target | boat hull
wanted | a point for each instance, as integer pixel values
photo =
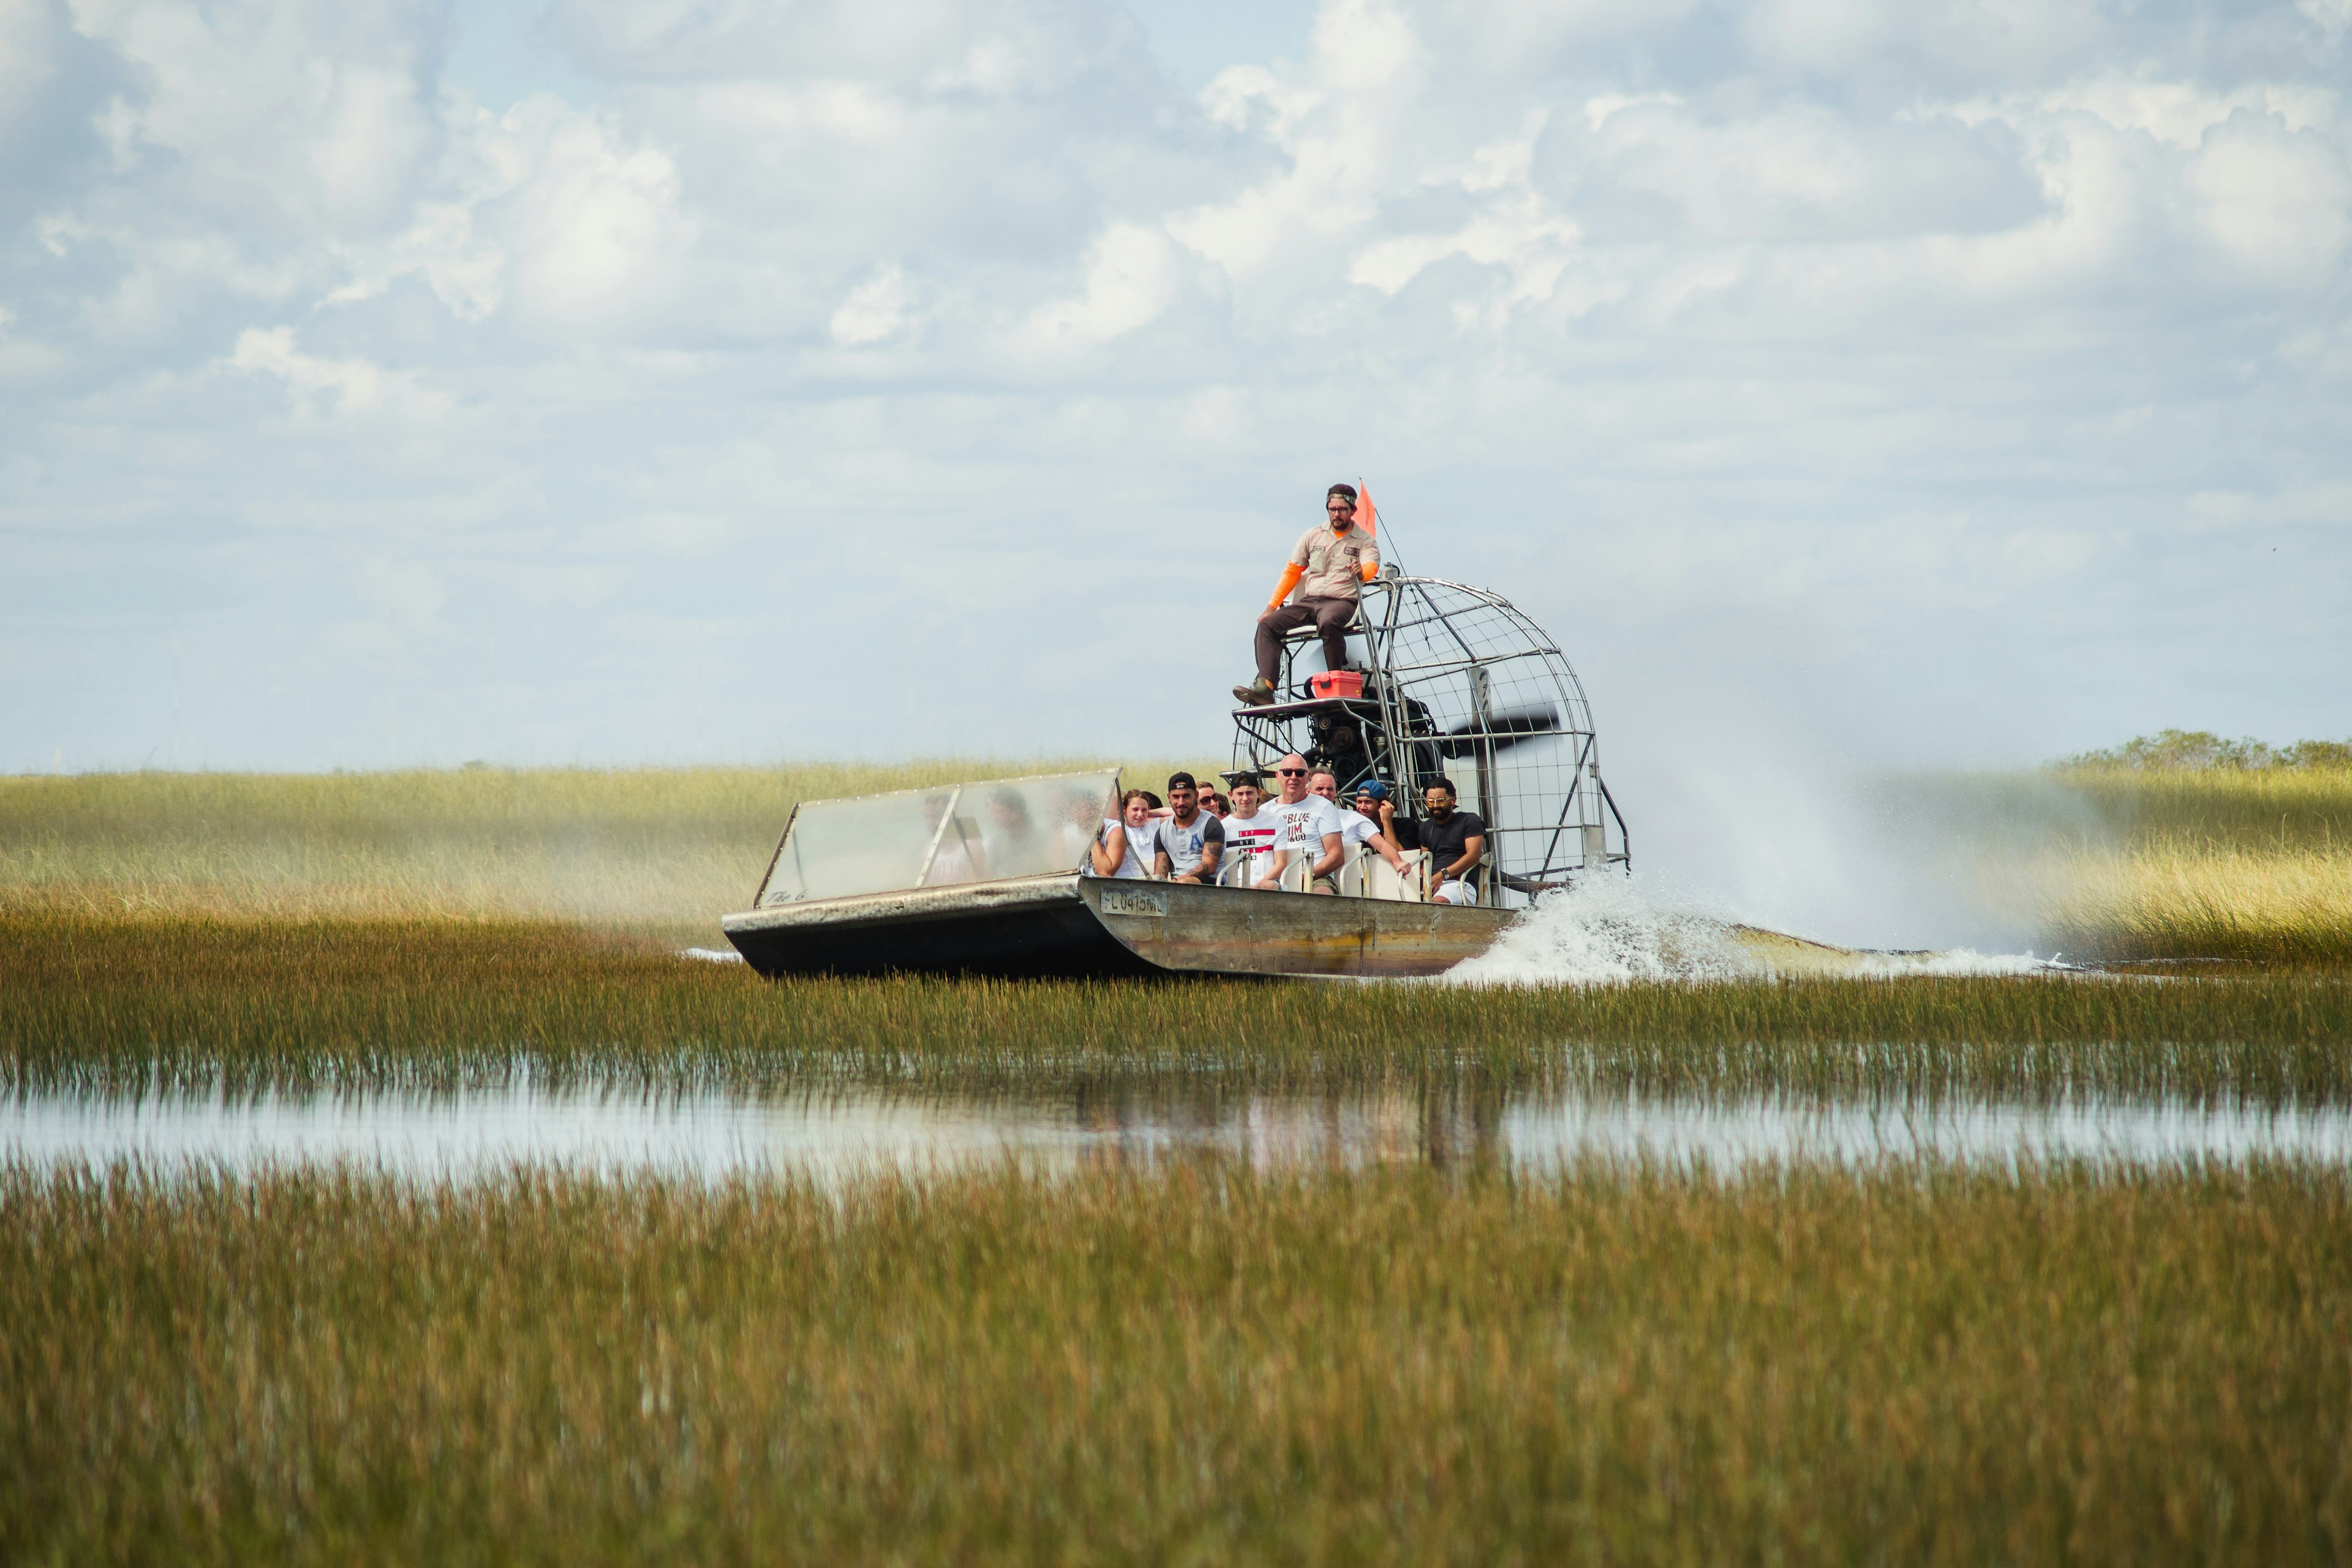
(1095, 926)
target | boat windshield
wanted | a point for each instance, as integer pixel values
(938, 836)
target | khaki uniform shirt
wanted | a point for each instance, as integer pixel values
(1333, 562)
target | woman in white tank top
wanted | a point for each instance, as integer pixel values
(1124, 847)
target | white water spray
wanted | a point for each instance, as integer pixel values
(1613, 930)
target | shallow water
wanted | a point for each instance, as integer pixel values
(714, 1134)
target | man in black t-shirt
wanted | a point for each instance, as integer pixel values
(1456, 842)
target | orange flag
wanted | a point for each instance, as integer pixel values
(1365, 518)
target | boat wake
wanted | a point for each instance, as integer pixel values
(1616, 930)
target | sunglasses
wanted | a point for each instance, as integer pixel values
(1291, 773)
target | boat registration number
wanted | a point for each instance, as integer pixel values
(1134, 902)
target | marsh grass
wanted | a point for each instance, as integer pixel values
(2250, 866)
(120, 1005)
(1918, 1365)
(660, 850)
(2169, 900)
(2245, 865)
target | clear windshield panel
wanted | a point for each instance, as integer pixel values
(937, 837)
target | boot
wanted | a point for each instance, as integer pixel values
(1256, 694)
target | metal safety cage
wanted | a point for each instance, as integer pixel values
(1457, 683)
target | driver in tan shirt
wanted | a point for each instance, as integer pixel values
(1327, 568)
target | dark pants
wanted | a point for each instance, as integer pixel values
(1329, 616)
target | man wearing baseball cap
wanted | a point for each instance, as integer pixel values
(1327, 568)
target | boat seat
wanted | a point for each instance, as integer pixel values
(1374, 878)
(1309, 634)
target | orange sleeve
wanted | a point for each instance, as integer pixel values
(1290, 576)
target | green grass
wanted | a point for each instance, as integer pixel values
(664, 850)
(121, 1005)
(1917, 1366)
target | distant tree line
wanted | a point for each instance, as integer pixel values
(2190, 750)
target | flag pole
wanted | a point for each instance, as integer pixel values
(1372, 525)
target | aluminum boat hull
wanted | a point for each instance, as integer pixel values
(1096, 927)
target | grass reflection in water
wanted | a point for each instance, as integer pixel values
(135, 1004)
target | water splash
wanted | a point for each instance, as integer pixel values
(1615, 929)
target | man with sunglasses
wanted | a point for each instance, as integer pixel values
(1311, 829)
(1456, 842)
(1327, 568)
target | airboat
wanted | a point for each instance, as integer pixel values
(989, 877)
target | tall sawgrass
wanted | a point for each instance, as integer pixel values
(2099, 861)
(1915, 1364)
(665, 849)
(120, 1005)
(2272, 810)
(2253, 866)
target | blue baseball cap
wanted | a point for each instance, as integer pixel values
(1374, 788)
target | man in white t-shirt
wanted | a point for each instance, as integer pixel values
(1354, 828)
(1310, 829)
(1250, 833)
(1191, 840)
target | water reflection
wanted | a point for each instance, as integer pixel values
(829, 1134)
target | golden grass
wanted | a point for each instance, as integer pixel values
(1920, 1364)
(659, 850)
(2272, 810)
(2249, 866)
(2177, 899)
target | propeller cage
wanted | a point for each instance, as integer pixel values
(1458, 684)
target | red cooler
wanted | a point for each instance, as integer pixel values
(1337, 683)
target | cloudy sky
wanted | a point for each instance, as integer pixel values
(671, 380)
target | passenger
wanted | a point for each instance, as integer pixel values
(1310, 830)
(1355, 826)
(1372, 800)
(1327, 566)
(1457, 841)
(1250, 833)
(1216, 803)
(956, 855)
(1121, 848)
(1009, 844)
(1191, 841)
(1077, 829)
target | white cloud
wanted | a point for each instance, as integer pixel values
(2330, 16)
(2277, 201)
(545, 211)
(1826, 349)
(308, 116)
(876, 309)
(347, 386)
(1132, 274)
(596, 231)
